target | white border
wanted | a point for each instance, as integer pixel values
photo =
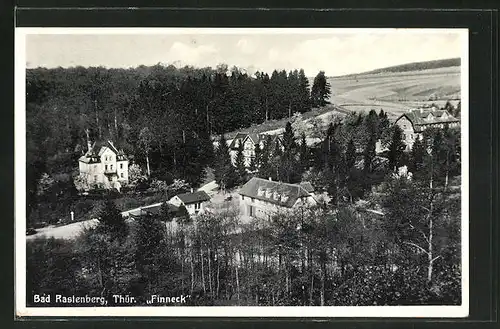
(224, 311)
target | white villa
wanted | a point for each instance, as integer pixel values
(104, 166)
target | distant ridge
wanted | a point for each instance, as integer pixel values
(415, 66)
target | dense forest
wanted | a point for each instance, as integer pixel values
(386, 230)
(417, 66)
(165, 115)
(389, 234)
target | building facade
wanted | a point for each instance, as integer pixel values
(249, 141)
(263, 198)
(103, 165)
(414, 122)
(195, 202)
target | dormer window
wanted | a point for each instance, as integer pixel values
(276, 196)
(260, 191)
(284, 198)
(269, 193)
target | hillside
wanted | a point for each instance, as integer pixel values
(399, 88)
(415, 66)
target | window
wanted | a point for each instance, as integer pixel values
(105, 167)
(197, 205)
(121, 175)
(111, 167)
(250, 211)
(242, 197)
(95, 178)
(121, 166)
(253, 200)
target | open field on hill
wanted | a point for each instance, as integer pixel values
(396, 92)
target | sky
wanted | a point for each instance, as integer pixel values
(335, 51)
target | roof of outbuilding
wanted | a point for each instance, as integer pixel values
(198, 196)
(307, 186)
(292, 191)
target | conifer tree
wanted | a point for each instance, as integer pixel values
(320, 92)
(258, 155)
(183, 216)
(396, 148)
(224, 171)
(265, 170)
(304, 153)
(350, 155)
(417, 155)
(111, 221)
(240, 163)
(165, 214)
(369, 153)
(304, 95)
(289, 143)
(151, 251)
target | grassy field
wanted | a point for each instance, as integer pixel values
(396, 92)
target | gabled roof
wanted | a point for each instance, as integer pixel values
(418, 118)
(255, 138)
(236, 140)
(291, 192)
(198, 196)
(98, 148)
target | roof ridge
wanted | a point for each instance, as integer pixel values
(283, 183)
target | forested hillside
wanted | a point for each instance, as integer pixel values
(169, 113)
(416, 66)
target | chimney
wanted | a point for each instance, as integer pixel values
(89, 145)
(270, 179)
(192, 191)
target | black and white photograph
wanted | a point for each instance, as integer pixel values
(257, 172)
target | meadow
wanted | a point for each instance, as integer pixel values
(396, 92)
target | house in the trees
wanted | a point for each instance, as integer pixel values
(414, 122)
(104, 165)
(249, 141)
(263, 198)
(195, 202)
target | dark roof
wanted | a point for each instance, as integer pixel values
(198, 196)
(256, 138)
(93, 155)
(291, 192)
(419, 118)
(307, 186)
(153, 210)
(236, 140)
